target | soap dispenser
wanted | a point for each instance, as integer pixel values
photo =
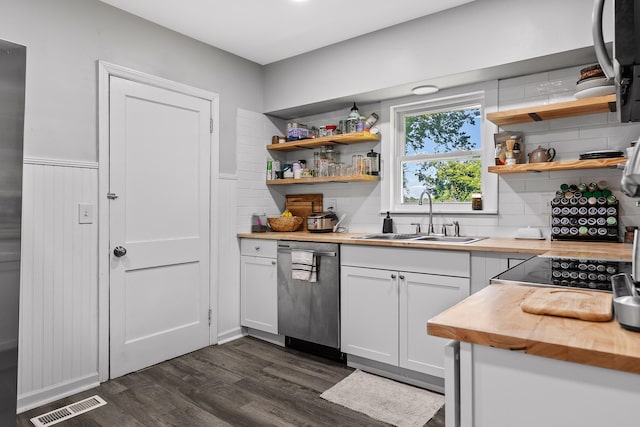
(387, 224)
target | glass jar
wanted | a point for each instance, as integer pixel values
(323, 162)
(352, 125)
(476, 201)
(358, 164)
(332, 155)
(342, 126)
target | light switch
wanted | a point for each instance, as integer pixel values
(85, 213)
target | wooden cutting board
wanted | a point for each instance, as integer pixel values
(302, 205)
(301, 209)
(315, 199)
(578, 304)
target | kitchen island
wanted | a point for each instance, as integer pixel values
(523, 369)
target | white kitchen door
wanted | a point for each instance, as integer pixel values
(159, 178)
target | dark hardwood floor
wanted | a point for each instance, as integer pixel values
(246, 382)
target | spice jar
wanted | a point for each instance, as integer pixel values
(476, 201)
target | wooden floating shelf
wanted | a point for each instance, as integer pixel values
(347, 138)
(599, 104)
(559, 166)
(323, 179)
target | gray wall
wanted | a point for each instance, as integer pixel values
(65, 39)
(467, 44)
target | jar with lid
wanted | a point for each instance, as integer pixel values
(322, 131)
(371, 120)
(342, 126)
(332, 155)
(360, 124)
(323, 162)
(476, 201)
(331, 130)
(352, 125)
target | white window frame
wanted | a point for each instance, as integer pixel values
(484, 95)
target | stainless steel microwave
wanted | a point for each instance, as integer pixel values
(624, 67)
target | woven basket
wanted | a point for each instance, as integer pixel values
(285, 223)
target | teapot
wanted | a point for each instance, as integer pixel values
(540, 155)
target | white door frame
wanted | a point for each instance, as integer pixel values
(106, 69)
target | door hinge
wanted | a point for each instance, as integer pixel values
(210, 125)
(112, 196)
(209, 317)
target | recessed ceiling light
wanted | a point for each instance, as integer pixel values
(425, 90)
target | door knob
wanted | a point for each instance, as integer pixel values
(119, 251)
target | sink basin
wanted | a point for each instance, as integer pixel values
(450, 239)
(421, 238)
(390, 236)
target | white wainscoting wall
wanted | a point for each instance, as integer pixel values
(58, 353)
(229, 272)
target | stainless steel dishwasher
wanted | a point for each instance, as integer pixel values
(309, 312)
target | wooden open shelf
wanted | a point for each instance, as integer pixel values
(344, 139)
(323, 179)
(599, 104)
(559, 166)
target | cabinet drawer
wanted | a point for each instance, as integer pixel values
(259, 247)
(431, 261)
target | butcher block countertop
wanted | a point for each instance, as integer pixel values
(600, 250)
(493, 317)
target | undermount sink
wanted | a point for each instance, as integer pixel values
(390, 236)
(427, 238)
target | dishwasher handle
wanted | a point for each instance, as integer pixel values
(282, 249)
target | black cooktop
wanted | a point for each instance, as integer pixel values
(590, 274)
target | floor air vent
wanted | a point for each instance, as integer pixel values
(69, 411)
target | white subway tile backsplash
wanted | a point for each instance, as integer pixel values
(523, 198)
(507, 94)
(598, 119)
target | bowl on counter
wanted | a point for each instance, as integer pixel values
(285, 223)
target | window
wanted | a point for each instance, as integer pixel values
(441, 145)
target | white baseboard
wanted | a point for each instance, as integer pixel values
(230, 335)
(266, 336)
(51, 394)
(396, 373)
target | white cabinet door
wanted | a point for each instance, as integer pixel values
(259, 293)
(369, 312)
(423, 296)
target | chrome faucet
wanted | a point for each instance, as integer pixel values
(456, 228)
(426, 191)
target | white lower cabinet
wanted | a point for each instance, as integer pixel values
(259, 285)
(369, 313)
(385, 312)
(423, 296)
